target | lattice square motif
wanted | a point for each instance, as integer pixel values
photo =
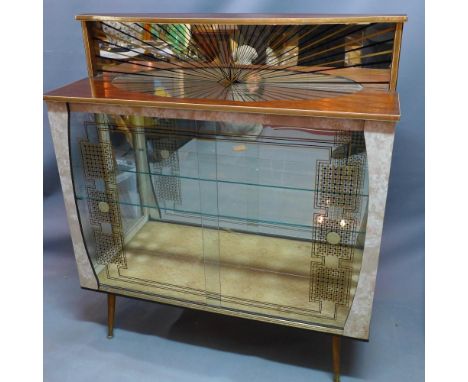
(345, 227)
(348, 145)
(354, 160)
(103, 207)
(164, 152)
(330, 284)
(168, 188)
(166, 161)
(338, 185)
(350, 137)
(340, 251)
(97, 161)
(109, 248)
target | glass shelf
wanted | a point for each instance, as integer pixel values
(199, 179)
(214, 217)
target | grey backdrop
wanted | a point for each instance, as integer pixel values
(158, 343)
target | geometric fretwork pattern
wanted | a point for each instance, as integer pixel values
(97, 159)
(103, 207)
(354, 138)
(165, 161)
(339, 185)
(339, 194)
(329, 284)
(340, 251)
(109, 248)
(344, 228)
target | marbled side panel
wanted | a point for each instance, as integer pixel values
(58, 118)
(379, 144)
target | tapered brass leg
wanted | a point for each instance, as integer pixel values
(336, 345)
(110, 314)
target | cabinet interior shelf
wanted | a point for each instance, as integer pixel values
(216, 217)
(224, 181)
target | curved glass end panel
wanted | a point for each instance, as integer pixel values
(257, 219)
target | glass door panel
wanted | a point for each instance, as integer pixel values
(260, 219)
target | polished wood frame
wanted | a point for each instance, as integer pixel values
(375, 105)
(244, 18)
(396, 57)
(90, 49)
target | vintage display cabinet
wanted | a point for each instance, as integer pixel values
(236, 164)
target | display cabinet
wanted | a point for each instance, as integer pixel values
(236, 164)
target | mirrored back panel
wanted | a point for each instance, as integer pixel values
(244, 62)
(254, 218)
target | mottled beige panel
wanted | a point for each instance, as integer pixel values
(202, 115)
(379, 144)
(58, 118)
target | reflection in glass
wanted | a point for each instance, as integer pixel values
(262, 219)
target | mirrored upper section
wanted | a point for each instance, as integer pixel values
(334, 66)
(242, 61)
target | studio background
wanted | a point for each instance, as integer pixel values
(155, 342)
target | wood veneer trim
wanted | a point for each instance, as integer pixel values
(230, 108)
(396, 56)
(240, 19)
